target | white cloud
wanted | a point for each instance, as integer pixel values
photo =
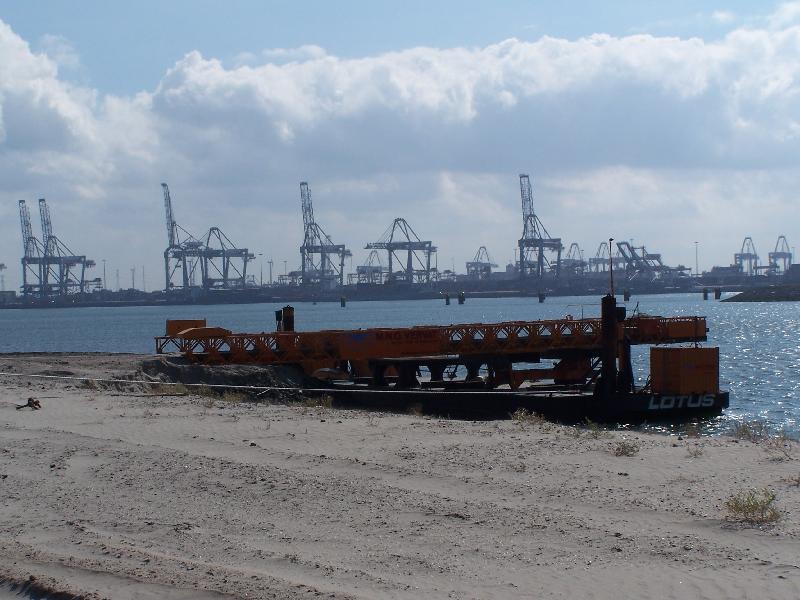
(657, 137)
(279, 56)
(723, 16)
(302, 53)
(787, 14)
(60, 50)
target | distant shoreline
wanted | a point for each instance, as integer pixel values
(376, 294)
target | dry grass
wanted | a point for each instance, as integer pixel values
(694, 450)
(166, 389)
(89, 384)
(625, 448)
(234, 397)
(575, 432)
(324, 401)
(779, 446)
(595, 430)
(753, 431)
(524, 417)
(753, 506)
(205, 391)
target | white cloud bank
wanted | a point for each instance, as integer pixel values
(663, 139)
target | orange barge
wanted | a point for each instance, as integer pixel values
(487, 368)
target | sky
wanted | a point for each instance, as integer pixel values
(667, 124)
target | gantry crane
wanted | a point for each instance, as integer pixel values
(215, 259)
(536, 246)
(370, 273)
(400, 238)
(781, 257)
(747, 259)
(184, 255)
(224, 265)
(480, 267)
(49, 268)
(63, 271)
(573, 262)
(32, 252)
(317, 266)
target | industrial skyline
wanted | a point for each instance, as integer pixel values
(674, 132)
(203, 264)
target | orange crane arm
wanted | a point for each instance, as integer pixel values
(312, 350)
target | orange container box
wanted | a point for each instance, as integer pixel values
(684, 370)
(175, 326)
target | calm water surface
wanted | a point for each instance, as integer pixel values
(759, 353)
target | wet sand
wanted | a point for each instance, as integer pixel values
(130, 493)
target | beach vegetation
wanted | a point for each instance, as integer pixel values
(575, 432)
(752, 431)
(324, 401)
(753, 506)
(525, 417)
(694, 450)
(168, 389)
(205, 391)
(234, 396)
(625, 448)
(595, 430)
(779, 446)
(89, 384)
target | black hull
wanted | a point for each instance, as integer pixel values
(560, 406)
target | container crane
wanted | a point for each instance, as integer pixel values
(224, 266)
(536, 246)
(63, 271)
(415, 266)
(480, 267)
(781, 257)
(747, 259)
(317, 266)
(573, 262)
(370, 273)
(184, 255)
(32, 252)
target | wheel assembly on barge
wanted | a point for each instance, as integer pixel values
(591, 374)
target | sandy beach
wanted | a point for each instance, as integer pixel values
(130, 492)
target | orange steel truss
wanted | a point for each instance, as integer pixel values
(319, 349)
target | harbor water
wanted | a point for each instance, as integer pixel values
(759, 352)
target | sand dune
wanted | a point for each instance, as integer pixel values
(125, 494)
